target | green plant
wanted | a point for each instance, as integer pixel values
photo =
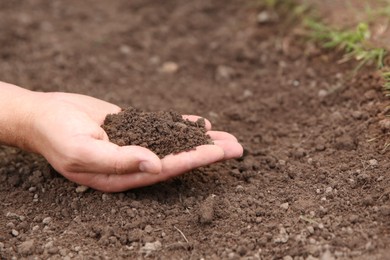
(331, 37)
(374, 55)
(353, 42)
(374, 13)
(386, 78)
(271, 3)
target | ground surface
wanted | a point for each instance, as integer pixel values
(314, 180)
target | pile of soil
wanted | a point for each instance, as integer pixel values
(161, 132)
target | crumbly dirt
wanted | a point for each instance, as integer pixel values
(161, 132)
(314, 179)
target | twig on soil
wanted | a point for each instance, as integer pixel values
(312, 221)
(372, 139)
(387, 145)
(182, 234)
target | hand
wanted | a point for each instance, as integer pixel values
(66, 131)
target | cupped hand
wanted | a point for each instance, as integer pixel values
(66, 131)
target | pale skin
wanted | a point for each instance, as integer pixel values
(65, 129)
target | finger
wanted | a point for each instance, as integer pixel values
(195, 118)
(232, 149)
(175, 164)
(98, 156)
(219, 135)
(172, 166)
(114, 183)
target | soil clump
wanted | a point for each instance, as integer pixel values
(162, 132)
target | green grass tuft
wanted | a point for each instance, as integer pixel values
(332, 38)
(353, 42)
(386, 77)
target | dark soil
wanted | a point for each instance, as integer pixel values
(314, 180)
(161, 132)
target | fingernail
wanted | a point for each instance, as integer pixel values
(147, 167)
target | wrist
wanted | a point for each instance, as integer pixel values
(18, 115)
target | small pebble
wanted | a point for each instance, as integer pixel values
(35, 228)
(282, 162)
(373, 162)
(233, 256)
(15, 233)
(27, 247)
(384, 124)
(285, 206)
(282, 237)
(239, 188)
(266, 17)
(310, 229)
(328, 190)
(263, 17)
(105, 197)
(47, 220)
(224, 72)
(322, 93)
(247, 93)
(81, 189)
(327, 255)
(154, 60)
(169, 67)
(148, 229)
(150, 247)
(49, 244)
(295, 83)
(124, 49)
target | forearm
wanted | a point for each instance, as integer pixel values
(16, 106)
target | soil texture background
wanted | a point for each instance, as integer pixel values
(314, 180)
